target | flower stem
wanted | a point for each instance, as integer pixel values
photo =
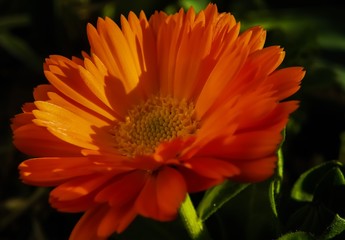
(194, 225)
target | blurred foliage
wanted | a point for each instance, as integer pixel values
(309, 202)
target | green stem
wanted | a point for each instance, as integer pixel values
(193, 224)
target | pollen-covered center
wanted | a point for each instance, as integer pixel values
(155, 121)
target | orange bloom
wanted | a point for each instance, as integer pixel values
(159, 108)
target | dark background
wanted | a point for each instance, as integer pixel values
(313, 35)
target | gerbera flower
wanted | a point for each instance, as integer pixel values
(159, 108)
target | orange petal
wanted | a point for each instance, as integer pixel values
(147, 54)
(268, 58)
(248, 145)
(211, 126)
(95, 119)
(275, 119)
(157, 199)
(256, 170)
(258, 37)
(168, 42)
(286, 81)
(40, 92)
(196, 182)
(23, 118)
(122, 189)
(226, 68)
(66, 78)
(195, 47)
(146, 203)
(98, 80)
(212, 167)
(167, 152)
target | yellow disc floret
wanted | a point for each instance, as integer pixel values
(155, 121)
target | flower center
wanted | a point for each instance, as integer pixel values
(155, 121)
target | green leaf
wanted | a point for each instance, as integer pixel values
(337, 227)
(217, 196)
(296, 236)
(306, 184)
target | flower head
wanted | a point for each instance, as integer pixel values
(159, 108)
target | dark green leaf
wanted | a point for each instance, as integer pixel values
(296, 236)
(14, 21)
(328, 183)
(337, 227)
(216, 197)
(248, 215)
(312, 217)
(305, 186)
(19, 49)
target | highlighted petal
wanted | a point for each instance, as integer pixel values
(55, 170)
(70, 127)
(37, 141)
(80, 187)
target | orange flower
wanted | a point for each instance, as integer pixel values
(160, 108)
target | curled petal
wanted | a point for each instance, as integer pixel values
(171, 191)
(87, 227)
(116, 219)
(162, 195)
